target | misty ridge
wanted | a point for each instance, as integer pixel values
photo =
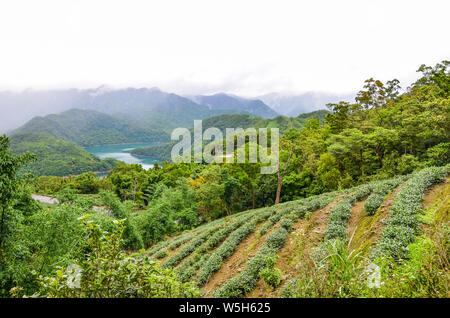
(151, 106)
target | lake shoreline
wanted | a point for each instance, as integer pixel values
(124, 152)
(125, 143)
(144, 156)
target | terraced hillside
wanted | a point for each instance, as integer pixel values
(283, 250)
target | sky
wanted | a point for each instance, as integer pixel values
(242, 47)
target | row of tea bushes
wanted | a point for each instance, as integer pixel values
(186, 270)
(185, 236)
(339, 215)
(273, 220)
(183, 239)
(402, 227)
(246, 280)
(228, 247)
(380, 192)
(174, 260)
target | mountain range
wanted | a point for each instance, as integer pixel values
(293, 105)
(147, 107)
(151, 107)
(224, 101)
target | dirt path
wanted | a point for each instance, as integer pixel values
(364, 229)
(306, 235)
(235, 263)
(50, 200)
(358, 212)
(44, 199)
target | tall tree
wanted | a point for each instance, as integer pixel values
(288, 142)
(9, 181)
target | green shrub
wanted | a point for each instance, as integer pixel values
(108, 272)
(132, 239)
(286, 223)
(270, 274)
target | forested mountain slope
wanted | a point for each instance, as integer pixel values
(57, 157)
(153, 108)
(163, 152)
(87, 128)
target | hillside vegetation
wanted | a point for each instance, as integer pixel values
(163, 152)
(57, 157)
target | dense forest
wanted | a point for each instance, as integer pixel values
(244, 121)
(109, 227)
(57, 157)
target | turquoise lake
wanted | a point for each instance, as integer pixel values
(123, 153)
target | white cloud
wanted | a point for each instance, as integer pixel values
(243, 47)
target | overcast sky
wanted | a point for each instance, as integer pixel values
(242, 47)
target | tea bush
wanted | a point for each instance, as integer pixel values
(380, 192)
(161, 254)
